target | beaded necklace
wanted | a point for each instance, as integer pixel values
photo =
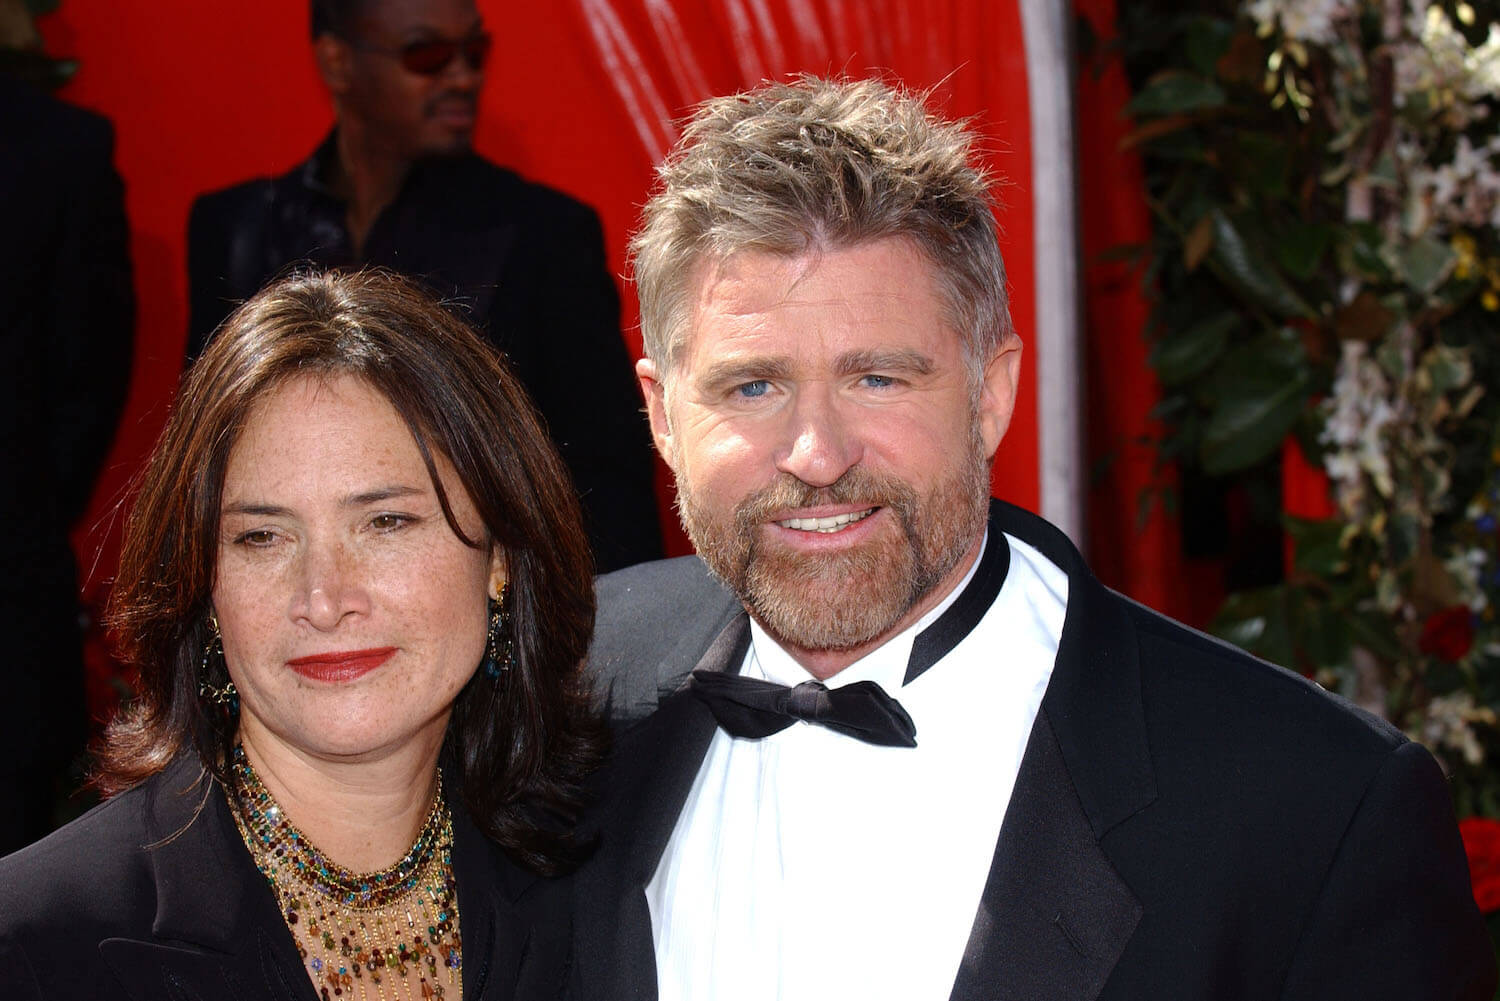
(382, 934)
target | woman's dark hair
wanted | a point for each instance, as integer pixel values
(519, 746)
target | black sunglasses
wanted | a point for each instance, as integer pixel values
(431, 58)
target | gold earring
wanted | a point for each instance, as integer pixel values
(213, 658)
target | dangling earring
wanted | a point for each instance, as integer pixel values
(498, 653)
(213, 658)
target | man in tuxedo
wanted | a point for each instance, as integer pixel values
(397, 184)
(885, 738)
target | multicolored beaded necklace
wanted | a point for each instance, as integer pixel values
(387, 933)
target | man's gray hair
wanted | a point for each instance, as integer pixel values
(816, 165)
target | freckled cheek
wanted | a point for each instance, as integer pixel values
(252, 613)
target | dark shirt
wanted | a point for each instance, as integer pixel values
(524, 262)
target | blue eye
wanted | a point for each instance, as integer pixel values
(750, 390)
(878, 381)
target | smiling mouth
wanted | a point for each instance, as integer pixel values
(833, 523)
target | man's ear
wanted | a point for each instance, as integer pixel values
(654, 389)
(997, 399)
(335, 59)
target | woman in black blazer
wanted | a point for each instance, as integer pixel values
(356, 588)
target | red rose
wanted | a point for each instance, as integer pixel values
(1448, 634)
(1482, 844)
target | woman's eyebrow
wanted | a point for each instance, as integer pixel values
(379, 494)
(362, 498)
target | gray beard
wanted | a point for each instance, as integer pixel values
(843, 600)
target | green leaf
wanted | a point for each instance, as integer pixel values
(1206, 41)
(1180, 355)
(1364, 252)
(1302, 247)
(1425, 263)
(1318, 545)
(1447, 368)
(1249, 272)
(1262, 163)
(1258, 400)
(1404, 533)
(1376, 634)
(1257, 621)
(1173, 93)
(1323, 636)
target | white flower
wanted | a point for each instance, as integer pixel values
(1449, 723)
(1359, 415)
(1311, 21)
(1438, 61)
(1463, 193)
(1466, 567)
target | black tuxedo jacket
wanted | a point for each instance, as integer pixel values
(153, 895)
(524, 262)
(1188, 822)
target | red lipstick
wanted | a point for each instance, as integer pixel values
(341, 665)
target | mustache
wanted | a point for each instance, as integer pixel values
(858, 485)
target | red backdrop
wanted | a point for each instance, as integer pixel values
(581, 94)
(203, 95)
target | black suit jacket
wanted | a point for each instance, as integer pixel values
(526, 265)
(148, 896)
(1188, 822)
(67, 316)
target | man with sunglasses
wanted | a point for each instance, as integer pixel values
(396, 183)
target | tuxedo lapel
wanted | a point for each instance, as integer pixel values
(654, 766)
(216, 933)
(1054, 916)
(672, 751)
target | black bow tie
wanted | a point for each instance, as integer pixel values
(749, 707)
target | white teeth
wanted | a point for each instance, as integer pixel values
(825, 525)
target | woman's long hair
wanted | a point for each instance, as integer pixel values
(520, 746)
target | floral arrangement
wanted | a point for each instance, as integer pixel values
(1325, 178)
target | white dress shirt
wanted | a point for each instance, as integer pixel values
(810, 866)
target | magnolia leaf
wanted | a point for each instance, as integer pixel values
(1432, 585)
(1374, 633)
(1207, 39)
(1173, 93)
(1257, 621)
(1425, 263)
(1317, 545)
(1251, 274)
(1262, 164)
(1301, 248)
(1183, 354)
(1156, 128)
(1198, 242)
(1244, 60)
(1256, 408)
(1323, 636)
(1469, 400)
(1365, 318)
(1446, 369)
(1362, 247)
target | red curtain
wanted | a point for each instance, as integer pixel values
(582, 95)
